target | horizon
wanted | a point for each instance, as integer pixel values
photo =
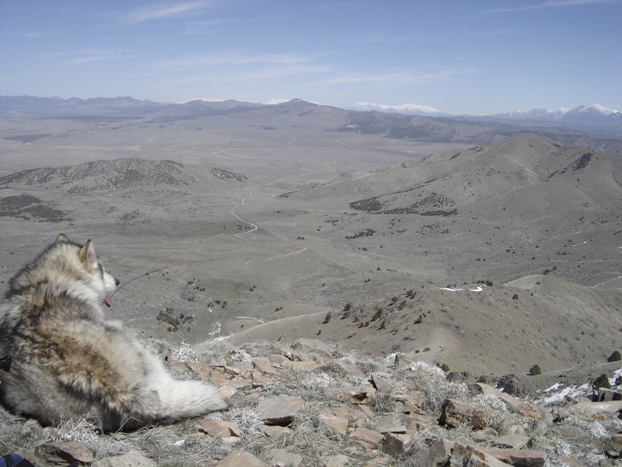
(358, 106)
(479, 57)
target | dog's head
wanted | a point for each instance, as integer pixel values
(104, 283)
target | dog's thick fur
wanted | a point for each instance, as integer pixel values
(70, 363)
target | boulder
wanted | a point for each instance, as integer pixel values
(455, 413)
(279, 410)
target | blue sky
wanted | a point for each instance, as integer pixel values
(479, 56)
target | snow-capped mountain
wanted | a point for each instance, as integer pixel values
(410, 109)
(584, 114)
(591, 115)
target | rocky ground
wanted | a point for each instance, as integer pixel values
(308, 403)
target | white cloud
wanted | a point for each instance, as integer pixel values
(237, 58)
(81, 57)
(399, 76)
(174, 10)
(546, 4)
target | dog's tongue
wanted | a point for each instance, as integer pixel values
(107, 302)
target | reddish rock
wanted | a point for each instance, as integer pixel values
(366, 438)
(456, 412)
(69, 452)
(279, 410)
(241, 459)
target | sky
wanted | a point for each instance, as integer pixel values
(475, 56)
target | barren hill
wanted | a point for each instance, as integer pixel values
(492, 258)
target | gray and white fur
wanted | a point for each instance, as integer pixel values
(70, 363)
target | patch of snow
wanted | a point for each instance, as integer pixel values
(217, 328)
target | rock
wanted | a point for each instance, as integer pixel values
(241, 459)
(338, 460)
(456, 412)
(382, 384)
(396, 445)
(606, 395)
(264, 366)
(569, 461)
(283, 458)
(521, 407)
(130, 459)
(366, 438)
(596, 410)
(70, 452)
(337, 425)
(437, 455)
(356, 394)
(390, 424)
(469, 456)
(279, 410)
(484, 389)
(485, 435)
(519, 458)
(218, 429)
(575, 434)
(511, 385)
(30, 427)
(511, 441)
(276, 432)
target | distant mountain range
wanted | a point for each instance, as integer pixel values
(584, 114)
(593, 126)
(589, 115)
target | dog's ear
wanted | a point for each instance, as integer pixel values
(87, 253)
(62, 238)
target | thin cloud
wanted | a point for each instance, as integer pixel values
(35, 35)
(165, 12)
(82, 57)
(546, 4)
(234, 58)
(399, 76)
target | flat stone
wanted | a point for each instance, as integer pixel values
(283, 458)
(382, 384)
(338, 460)
(396, 445)
(241, 459)
(456, 412)
(438, 454)
(71, 452)
(484, 389)
(356, 394)
(130, 459)
(213, 375)
(308, 365)
(469, 456)
(390, 424)
(336, 424)
(595, 410)
(263, 365)
(218, 428)
(366, 438)
(275, 432)
(280, 360)
(511, 441)
(521, 407)
(279, 410)
(485, 435)
(519, 457)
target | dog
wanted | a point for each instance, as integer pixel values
(71, 363)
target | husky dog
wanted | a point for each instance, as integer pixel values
(70, 363)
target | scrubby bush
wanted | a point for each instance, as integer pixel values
(602, 382)
(535, 370)
(615, 357)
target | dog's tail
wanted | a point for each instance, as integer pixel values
(181, 399)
